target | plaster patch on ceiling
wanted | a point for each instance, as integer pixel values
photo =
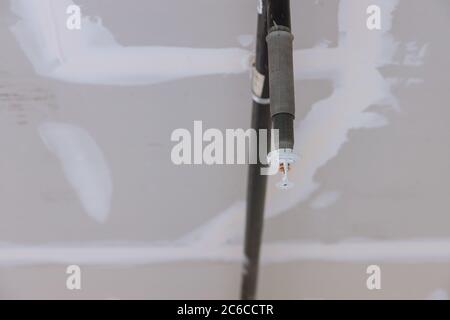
(91, 55)
(217, 231)
(325, 200)
(83, 164)
(137, 253)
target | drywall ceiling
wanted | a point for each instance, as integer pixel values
(372, 134)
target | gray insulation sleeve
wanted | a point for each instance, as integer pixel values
(281, 72)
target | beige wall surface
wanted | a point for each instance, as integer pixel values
(373, 138)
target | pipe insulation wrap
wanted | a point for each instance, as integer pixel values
(281, 70)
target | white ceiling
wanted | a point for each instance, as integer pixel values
(360, 181)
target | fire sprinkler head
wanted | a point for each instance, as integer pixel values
(283, 159)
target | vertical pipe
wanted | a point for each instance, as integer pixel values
(279, 13)
(257, 183)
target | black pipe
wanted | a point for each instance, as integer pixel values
(279, 13)
(274, 58)
(257, 183)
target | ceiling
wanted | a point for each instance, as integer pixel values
(371, 130)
